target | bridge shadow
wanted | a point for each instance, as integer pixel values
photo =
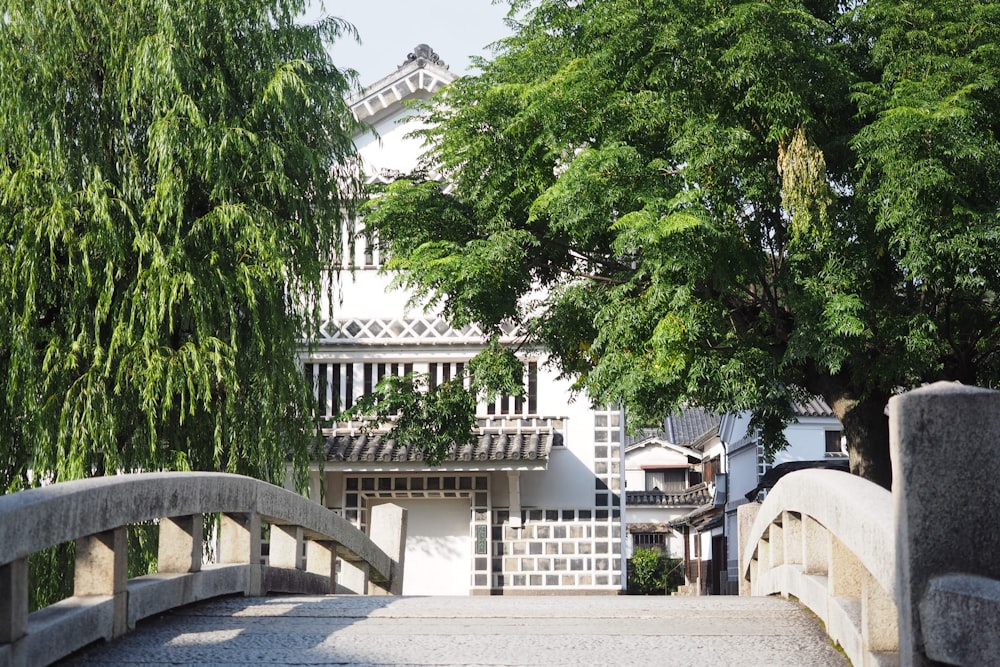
(234, 630)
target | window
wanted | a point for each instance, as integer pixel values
(668, 480)
(526, 403)
(338, 386)
(834, 440)
(334, 383)
(656, 541)
(711, 467)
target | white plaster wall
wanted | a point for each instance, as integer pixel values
(714, 449)
(438, 546)
(806, 442)
(389, 147)
(365, 294)
(569, 480)
(742, 472)
(635, 480)
(639, 514)
(651, 456)
(807, 439)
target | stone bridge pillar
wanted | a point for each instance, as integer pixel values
(945, 444)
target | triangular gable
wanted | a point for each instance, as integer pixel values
(421, 75)
(660, 442)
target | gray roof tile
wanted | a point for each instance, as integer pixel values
(812, 407)
(692, 497)
(496, 441)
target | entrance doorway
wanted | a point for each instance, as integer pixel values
(438, 546)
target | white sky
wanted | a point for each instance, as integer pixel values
(389, 29)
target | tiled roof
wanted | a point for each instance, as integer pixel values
(422, 73)
(649, 527)
(691, 424)
(683, 428)
(812, 407)
(496, 441)
(699, 516)
(693, 497)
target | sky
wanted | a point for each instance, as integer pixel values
(389, 29)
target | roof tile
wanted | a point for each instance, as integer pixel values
(498, 440)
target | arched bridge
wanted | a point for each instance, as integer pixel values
(305, 542)
(909, 577)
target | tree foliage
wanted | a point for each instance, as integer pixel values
(646, 570)
(725, 204)
(174, 177)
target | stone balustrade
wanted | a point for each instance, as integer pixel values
(826, 538)
(910, 577)
(306, 539)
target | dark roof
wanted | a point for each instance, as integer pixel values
(684, 428)
(696, 495)
(691, 424)
(772, 476)
(495, 441)
(649, 527)
(699, 516)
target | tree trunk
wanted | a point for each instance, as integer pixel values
(866, 427)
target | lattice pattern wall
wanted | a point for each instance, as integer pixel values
(556, 549)
(607, 462)
(405, 330)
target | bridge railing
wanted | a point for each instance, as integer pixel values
(826, 537)
(911, 577)
(304, 543)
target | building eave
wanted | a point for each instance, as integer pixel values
(422, 75)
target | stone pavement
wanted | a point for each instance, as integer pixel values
(543, 630)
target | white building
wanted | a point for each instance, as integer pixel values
(664, 481)
(534, 506)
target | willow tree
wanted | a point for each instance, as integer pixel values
(727, 204)
(174, 177)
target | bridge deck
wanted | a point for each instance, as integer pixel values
(577, 630)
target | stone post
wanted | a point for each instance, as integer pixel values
(388, 532)
(321, 559)
(180, 545)
(240, 543)
(945, 445)
(745, 515)
(101, 568)
(13, 601)
(286, 547)
(353, 577)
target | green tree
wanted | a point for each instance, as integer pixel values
(174, 179)
(646, 573)
(725, 204)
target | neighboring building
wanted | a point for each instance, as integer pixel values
(733, 463)
(663, 481)
(535, 505)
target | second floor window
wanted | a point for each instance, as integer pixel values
(526, 403)
(338, 385)
(668, 480)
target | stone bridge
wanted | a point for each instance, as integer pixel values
(305, 542)
(910, 577)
